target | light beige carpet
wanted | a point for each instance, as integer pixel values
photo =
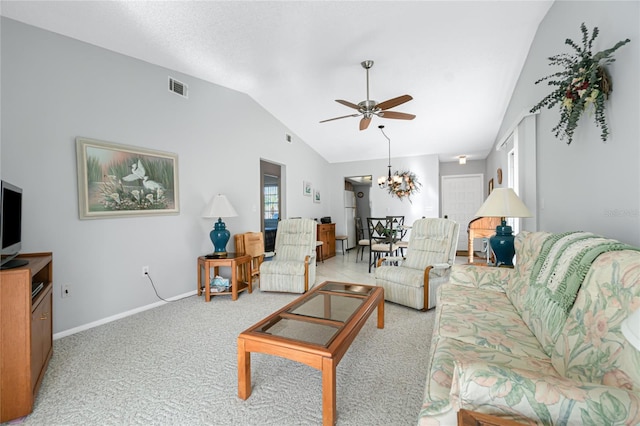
(177, 365)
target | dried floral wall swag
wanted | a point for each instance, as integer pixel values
(583, 82)
(405, 184)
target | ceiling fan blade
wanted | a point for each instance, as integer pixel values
(338, 118)
(347, 103)
(364, 123)
(397, 115)
(394, 102)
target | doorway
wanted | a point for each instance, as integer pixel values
(270, 202)
(361, 188)
(462, 196)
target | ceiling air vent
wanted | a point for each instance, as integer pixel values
(178, 87)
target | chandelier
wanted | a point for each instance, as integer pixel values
(399, 184)
(388, 181)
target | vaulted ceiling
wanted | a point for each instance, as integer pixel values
(459, 60)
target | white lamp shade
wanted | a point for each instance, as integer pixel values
(631, 328)
(503, 202)
(219, 206)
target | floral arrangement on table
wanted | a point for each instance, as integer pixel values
(404, 184)
(583, 82)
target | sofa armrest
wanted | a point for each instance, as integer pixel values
(537, 395)
(485, 277)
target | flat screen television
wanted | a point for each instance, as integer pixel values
(10, 226)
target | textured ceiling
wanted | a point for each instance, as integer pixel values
(459, 60)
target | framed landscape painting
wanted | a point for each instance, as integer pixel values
(117, 180)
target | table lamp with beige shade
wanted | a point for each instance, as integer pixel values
(503, 203)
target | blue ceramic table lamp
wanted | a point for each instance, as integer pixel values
(219, 207)
(503, 203)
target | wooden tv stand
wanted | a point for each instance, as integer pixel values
(26, 333)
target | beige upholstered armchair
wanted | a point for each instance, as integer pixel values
(293, 268)
(412, 280)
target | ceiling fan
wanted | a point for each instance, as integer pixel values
(369, 108)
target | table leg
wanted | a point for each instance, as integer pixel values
(381, 312)
(207, 283)
(244, 370)
(328, 392)
(234, 280)
(199, 278)
(248, 275)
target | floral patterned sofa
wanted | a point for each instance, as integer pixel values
(540, 343)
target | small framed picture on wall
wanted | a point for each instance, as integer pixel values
(490, 186)
(306, 188)
(316, 196)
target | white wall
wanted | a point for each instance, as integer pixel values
(424, 203)
(588, 185)
(472, 167)
(55, 89)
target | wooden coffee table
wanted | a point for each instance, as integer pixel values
(316, 329)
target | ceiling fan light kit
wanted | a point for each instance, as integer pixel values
(368, 108)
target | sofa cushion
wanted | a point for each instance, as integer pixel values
(527, 245)
(446, 354)
(591, 347)
(533, 393)
(283, 267)
(492, 325)
(544, 290)
(476, 298)
(476, 276)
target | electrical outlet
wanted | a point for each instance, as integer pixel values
(66, 290)
(145, 271)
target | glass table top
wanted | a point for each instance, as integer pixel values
(318, 317)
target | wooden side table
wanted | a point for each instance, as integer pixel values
(233, 261)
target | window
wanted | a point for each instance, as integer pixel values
(271, 202)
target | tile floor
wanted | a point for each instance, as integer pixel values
(345, 268)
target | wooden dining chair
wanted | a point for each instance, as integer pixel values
(254, 247)
(251, 243)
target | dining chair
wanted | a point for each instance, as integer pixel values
(254, 247)
(381, 239)
(362, 241)
(397, 223)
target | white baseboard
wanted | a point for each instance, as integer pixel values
(116, 317)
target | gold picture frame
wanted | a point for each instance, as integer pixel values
(116, 180)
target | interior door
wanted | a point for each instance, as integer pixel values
(462, 196)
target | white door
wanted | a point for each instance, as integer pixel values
(462, 196)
